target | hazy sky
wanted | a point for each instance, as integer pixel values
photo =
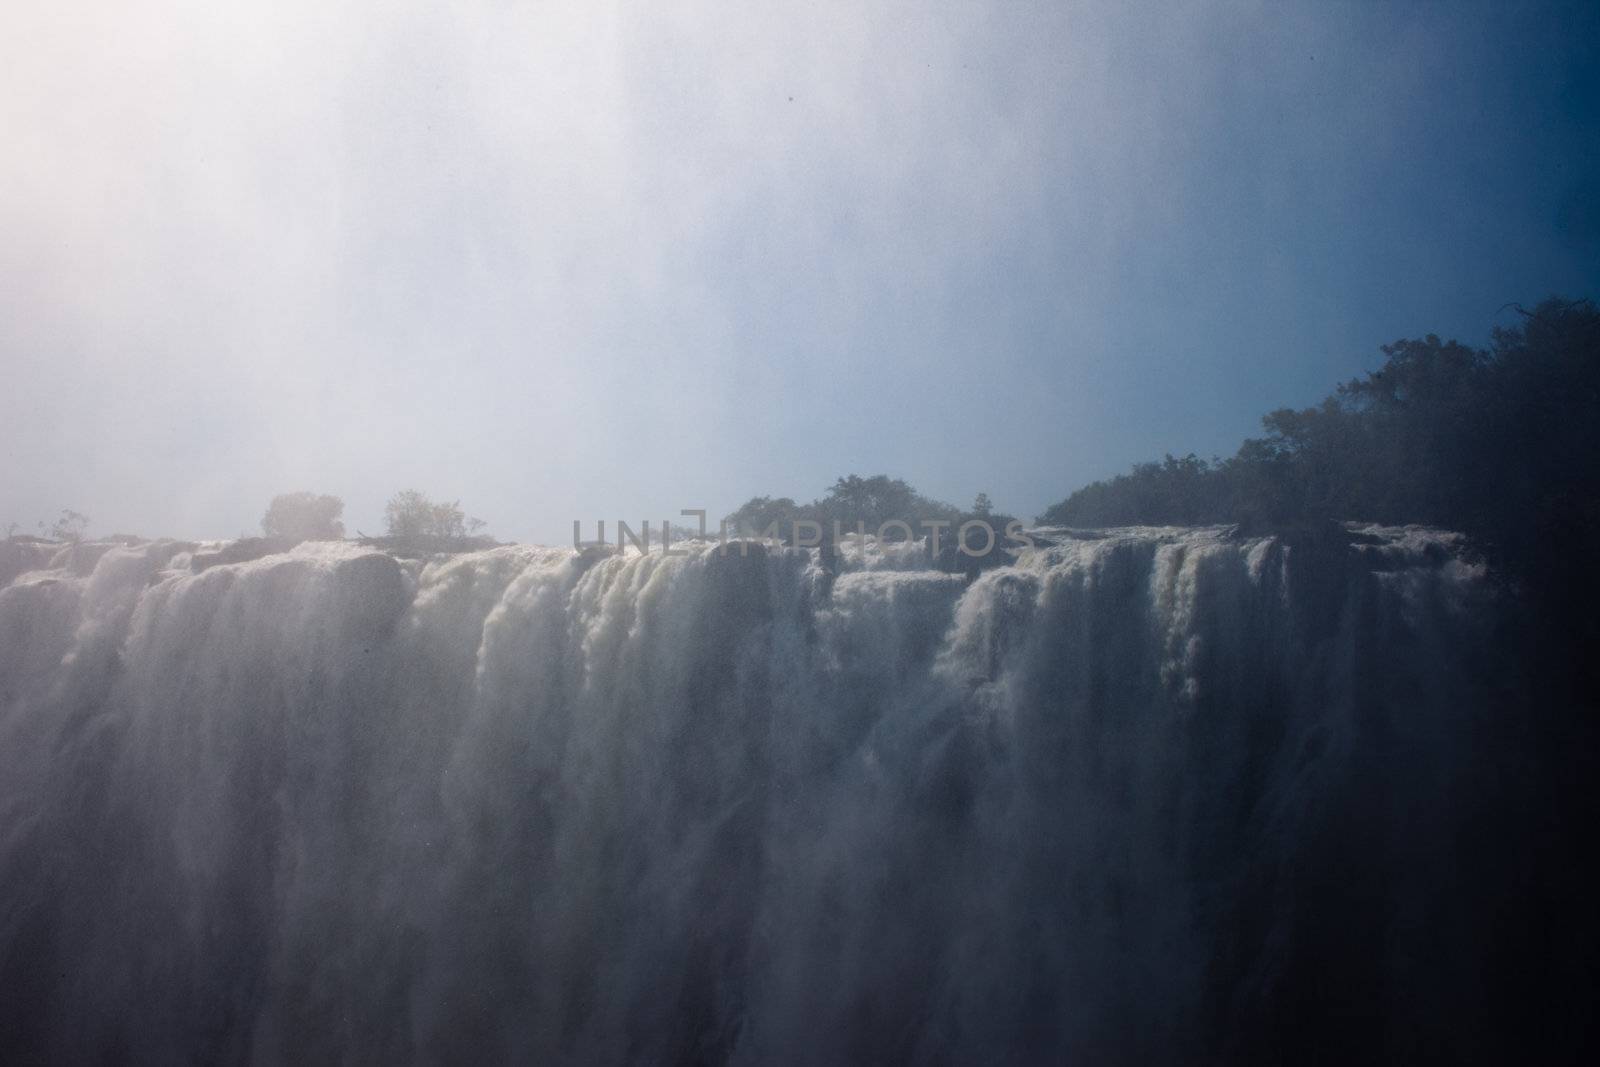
(590, 260)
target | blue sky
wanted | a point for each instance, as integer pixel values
(580, 260)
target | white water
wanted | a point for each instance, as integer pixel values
(1116, 802)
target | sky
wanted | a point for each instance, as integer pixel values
(585, 260)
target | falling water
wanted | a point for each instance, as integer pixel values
(1144, 794)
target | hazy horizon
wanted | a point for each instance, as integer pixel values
(589, 262)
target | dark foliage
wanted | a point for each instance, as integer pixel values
(1502, 444)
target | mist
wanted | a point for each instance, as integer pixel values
(574, 260)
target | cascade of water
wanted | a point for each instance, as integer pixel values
(1120, 799)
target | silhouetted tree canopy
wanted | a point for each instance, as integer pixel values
(759, 513)
(1499, 443)
(304, 516)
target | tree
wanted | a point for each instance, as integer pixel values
(983, 510)
(1179, 491)
(758, 514)
(69, 527)
(873, 500)
(411, 516)
(1500, 444)
(851, 500)
(304, 516)
(877, 500)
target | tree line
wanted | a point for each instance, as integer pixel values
(1500, 443)
(410, 518)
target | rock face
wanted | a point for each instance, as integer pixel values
(1139, 796)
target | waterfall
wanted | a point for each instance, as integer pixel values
(1145, 794)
